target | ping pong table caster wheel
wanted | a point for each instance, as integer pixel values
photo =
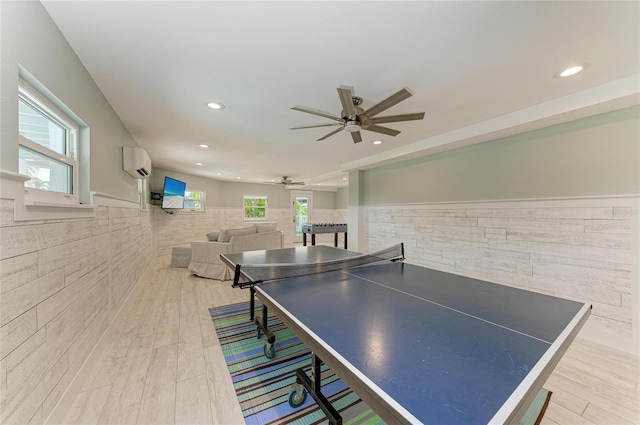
(269, 351)
(297, 397)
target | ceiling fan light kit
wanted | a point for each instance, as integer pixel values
(353, 118)
(352, 126)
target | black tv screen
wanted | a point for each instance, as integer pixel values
(173, 193)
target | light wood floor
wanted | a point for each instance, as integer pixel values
(160, 363)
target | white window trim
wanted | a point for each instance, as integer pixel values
(12, 187)
(36, 99)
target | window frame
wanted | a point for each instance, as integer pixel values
(265, 208)
(38, 101)
(143, 199)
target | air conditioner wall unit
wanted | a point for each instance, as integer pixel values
(136, 162)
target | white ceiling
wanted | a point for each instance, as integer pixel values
(479, 70)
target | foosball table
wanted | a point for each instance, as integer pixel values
(317, 228)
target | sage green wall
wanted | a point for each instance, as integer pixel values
(213, 188)
(324, 200)
(232, 194)
(31, 39)
(223, 194)
(596, 156)
(356, 188)
(342, 198)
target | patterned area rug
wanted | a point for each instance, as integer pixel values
(263, 385)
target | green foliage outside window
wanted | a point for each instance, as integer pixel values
(255, 207)
(194, 200)
(301, 208)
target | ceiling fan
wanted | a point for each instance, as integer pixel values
(353, 118)
(287, 182)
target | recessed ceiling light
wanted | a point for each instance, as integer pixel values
(204, 146)
(377, 142)
(215, 105)
(571, 71)
(219, 174)
(344, 178)
(198, 163)
(238, 178)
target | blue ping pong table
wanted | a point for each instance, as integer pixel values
(417, 345)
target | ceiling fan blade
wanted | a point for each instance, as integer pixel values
(388, 103)
(317, 125)
(295, 184)
(383, 130)
(330, 134)
(398, 118)
(347, 102)
(314, 112)
(356, 136)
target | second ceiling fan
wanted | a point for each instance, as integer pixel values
(353, 118)
(286, 181)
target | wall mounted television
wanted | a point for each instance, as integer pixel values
(173, 193)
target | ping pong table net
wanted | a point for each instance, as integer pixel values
(247, 275)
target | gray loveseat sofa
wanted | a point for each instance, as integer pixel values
(205, 256)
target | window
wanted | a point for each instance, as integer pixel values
(255, 207)
(301, 204)
(194, 200)
(47, 145)
(142, 193)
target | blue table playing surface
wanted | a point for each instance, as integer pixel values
(421, 345)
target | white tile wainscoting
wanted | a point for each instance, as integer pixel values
(581, 249)
(62, 282)
(184, 227)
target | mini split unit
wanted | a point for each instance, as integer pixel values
(136, 162)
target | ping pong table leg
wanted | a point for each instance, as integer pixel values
(265, 321)
(314, 388)
(252, 304)
(262, 325)
(316, 365)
